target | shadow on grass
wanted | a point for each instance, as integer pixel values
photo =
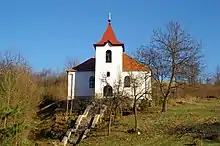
(53, 124)
(209, 132)
(47, 108)
(52, 114)
(126, 113)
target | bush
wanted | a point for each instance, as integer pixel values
(18, 99)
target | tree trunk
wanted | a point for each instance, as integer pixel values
(8, 102)
(116, 112)
(135, 115)
(121, 112)
(67, 108)
(5, 121)
(71, 107)
(99, 124)
(164, 104)
(16, 136)
(110, 122)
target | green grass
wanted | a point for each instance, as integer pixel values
(182, 124)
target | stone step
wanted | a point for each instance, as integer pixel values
(84, 123)
(95, 121)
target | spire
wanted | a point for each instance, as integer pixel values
(109, 18)
(109, 36)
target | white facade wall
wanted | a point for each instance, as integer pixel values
(78, 84)
(101, 67)
(144, 85)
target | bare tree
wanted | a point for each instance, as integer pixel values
(217, 76)
(9, 63)
(138, 87)
(114, 100)
(19, 96)
(70, 63)
(139, 91)
(173, 56)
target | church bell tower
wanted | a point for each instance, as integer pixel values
(109, 53)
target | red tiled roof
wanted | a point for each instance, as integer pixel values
(130, 64)
(109, 36)
(88, 65)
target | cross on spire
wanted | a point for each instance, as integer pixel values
(109, 18)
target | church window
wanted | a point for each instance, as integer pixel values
(127, 81)
(108, 56)
(108, 74)
(92, 82)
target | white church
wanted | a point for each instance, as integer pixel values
(96, 76)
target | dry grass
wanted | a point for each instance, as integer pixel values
(21, 92)
(196, 121)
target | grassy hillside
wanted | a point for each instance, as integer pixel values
(185, 123)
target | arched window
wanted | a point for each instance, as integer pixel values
(107, 91)
(127, 81)
(92, 82)
(108, 74)
(108, 56)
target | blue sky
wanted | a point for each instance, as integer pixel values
(48, 32)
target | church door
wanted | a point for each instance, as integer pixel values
(107, 91)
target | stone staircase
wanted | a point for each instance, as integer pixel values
(84, 124)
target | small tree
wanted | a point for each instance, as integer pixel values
(173, 56)
(70, 63)
(217, 76)
(139, 88)
(140, 91)
(115, 100)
